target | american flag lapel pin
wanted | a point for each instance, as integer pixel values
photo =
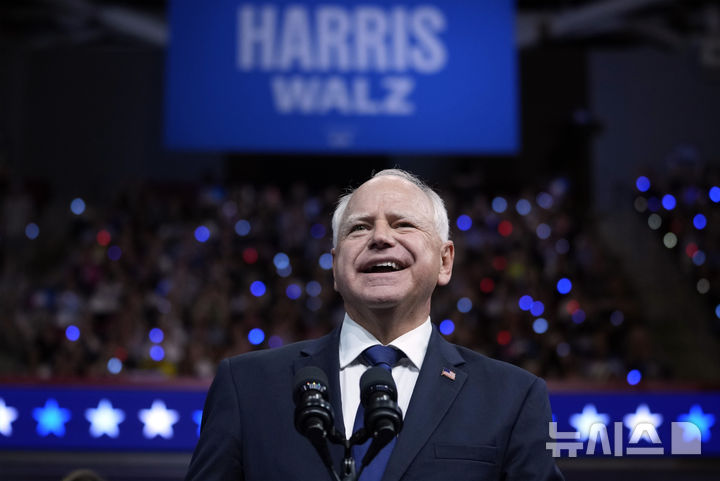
(448, 374)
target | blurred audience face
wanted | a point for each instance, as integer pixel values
(389, 254)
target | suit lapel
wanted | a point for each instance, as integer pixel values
(432, 397)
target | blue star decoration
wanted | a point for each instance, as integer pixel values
(642, 417)
(51, 418)
(8, 414)
(104, 419)
(703, 421)
(158, 420)
(584, 422)
(197, 417)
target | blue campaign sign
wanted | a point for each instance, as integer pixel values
(341, 76)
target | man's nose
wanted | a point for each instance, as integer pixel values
(382, 236)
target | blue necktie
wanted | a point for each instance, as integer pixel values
(385, 357)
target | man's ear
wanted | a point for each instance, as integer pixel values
(447, 257)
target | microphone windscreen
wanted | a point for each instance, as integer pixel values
(310, 374)
(377, 379)
(309, 378)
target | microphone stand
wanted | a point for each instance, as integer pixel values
(349, 470)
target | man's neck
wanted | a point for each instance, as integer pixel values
(388, 324)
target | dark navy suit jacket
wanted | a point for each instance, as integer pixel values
(489, 423)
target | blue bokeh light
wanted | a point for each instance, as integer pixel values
(257, 288)
(642, 183)
(317, 231)
(163, 287)
(157, 353)
(285, 271)
(564, 285)
(242, 227)
(156, 335)
(447, 327)
(114, 253)
(464, 222)
(326, 261)
(293, 291)
(717, 311)
(525, 303)
(690, 194)
(563, 349)
(77, 206)
(653, 204)
(699, 221)
(699, 258)
(523, 207)
(313, 288)
(537, 308)
(256, 336)
(32, 231)
(714, 194)
(464, 304)
(543, 231)
(313, 206)
(72, 333)
(617, 318)
(275, 341)
(669, 201)
(540, 325)
(562, 246)
(634, 377)
(314, 303)
(544, 200)
(281, 260)
(499, 204)
(578, 316)
(114, 365)
(202, 233)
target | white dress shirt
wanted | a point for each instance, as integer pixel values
(354, 339)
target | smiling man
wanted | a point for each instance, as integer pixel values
(390, 253)
(466, 417)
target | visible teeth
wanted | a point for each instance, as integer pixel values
(388, 264)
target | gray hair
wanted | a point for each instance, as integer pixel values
(442, 224)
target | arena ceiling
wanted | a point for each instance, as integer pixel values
(664, 23)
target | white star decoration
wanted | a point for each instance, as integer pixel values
(582, 422)
(642, 415)
(8, 414)
(158, 420)
(104, 419)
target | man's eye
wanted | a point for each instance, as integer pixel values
(358, 227)
(404, 224)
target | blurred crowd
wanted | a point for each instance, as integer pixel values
(682, 206)
(167, 279)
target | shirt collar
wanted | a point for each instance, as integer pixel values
(354, 339)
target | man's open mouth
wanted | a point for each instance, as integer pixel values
(388, 266)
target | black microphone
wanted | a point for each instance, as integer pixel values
(383, 416)
(314, 417)
(313, 412)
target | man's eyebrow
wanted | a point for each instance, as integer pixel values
(351, 219)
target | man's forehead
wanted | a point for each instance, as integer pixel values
(389, 184)
(397, 197)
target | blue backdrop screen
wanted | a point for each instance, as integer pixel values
(341, 76)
